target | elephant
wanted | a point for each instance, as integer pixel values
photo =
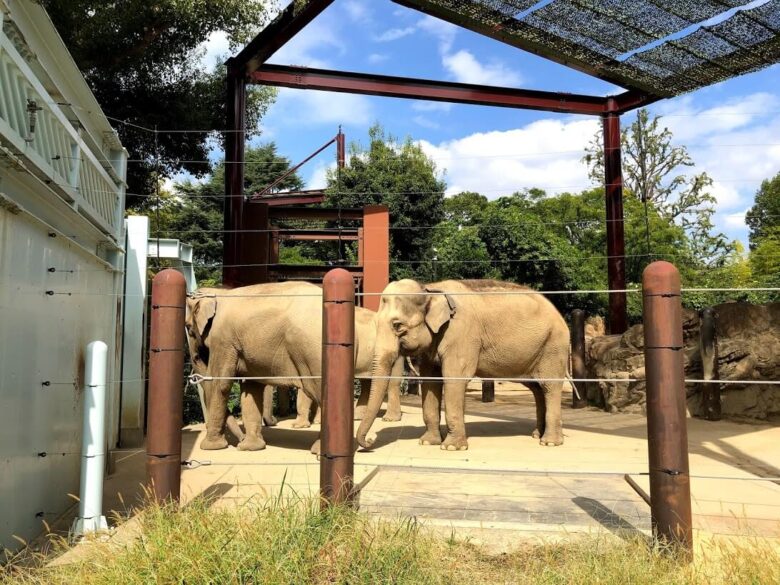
(465, 329)
(273, 330)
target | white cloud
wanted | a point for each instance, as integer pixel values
(319, 177)
(425, 122)
(464, 67)
(543, 154)
(443, 31)
(306, 48)
(394, 34)
(357, 11)
(321, 108)
(375, 58)
(216, 48)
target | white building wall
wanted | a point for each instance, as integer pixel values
(61, 253)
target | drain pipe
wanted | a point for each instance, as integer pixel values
(93, 443)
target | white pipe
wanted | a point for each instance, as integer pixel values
(93, 443)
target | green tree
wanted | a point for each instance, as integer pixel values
(193, 212)
(653, 173)
(764, 217)
(401, 176)
(142, 61)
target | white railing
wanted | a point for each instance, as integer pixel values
(38, 131)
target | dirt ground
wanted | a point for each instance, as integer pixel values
(506, 488)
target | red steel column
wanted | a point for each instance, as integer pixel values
(667, 435)
(166, 386)
(337, 465)
(616, 252)
(234, 175)
(376, 253)
(578, 369)
(341, 150)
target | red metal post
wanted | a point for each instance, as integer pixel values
(254, 254)
(234, 175)
(667, 435)
(341, 150)
(337, 466)
(613, 179)
(376, 253)
(166, 386)
(578, 370)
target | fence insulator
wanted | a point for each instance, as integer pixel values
(488, 391)
(337, 465)
(667, 435)
(708, 347)
(579, 397)
(166, 386)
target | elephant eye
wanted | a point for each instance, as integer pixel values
(399, 327)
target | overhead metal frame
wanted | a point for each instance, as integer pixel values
(249, 66)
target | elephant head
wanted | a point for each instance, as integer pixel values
(201, 310)
(410, 321)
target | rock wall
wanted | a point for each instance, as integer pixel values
(748, 339)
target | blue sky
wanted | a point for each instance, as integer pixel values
(732, 130)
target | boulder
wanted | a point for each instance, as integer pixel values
(748, 338)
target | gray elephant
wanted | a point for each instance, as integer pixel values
(272, 330)
(478, 330)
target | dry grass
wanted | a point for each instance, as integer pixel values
(291, 541)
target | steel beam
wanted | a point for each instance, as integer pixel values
(333, 214)
(273, 37)
(234, 176)
(616, 247)
(422, 89)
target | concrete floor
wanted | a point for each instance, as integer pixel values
(506, 483)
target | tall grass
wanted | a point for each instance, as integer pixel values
(291, 541)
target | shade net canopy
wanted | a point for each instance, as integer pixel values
(661, 47)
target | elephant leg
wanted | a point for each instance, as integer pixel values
(316, 414)
(268, 406)
(553, 427)
(541, 409)
(251, 400)
(303, 404)
(362, 401)
(393, 412)
(217, 392)
(431, 405)
(454, 412)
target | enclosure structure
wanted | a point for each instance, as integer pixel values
(62, 171)
(654, 49)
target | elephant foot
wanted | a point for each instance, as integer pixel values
(551, 439)
(431, 438)
(454, 443)
(270, 421)
(536, 434)
(392, 416)
(213, 444)
(251, 444)
(301, 423)
(317, 419)
(315, 448)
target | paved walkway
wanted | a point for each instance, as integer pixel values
(506, 482)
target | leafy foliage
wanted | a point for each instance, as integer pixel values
(142, 61)
(764, 216)
(401, 176)
(193, 212)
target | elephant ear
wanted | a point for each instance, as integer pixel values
(204, 311)
(440, 310)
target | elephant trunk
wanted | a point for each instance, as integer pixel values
(381, 369)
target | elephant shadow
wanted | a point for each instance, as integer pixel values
(297, 439)
(487, 428)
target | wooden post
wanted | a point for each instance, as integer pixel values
(579, 398)
(337, 466)
(708, 346)
(667, 435)
(488, 391)
(166, 386)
